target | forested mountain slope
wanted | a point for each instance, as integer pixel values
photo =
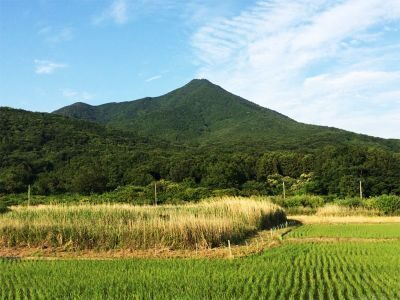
(54, 151)
(197, 138)
(201, 113)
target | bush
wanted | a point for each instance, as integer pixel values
(225, 192)
(3, 208)
(388, 204)
(254, 188)
(350, 202)
(196, 194)
(301, 200)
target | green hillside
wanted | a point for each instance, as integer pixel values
(201, 113)
(197, 139)
(59, 154)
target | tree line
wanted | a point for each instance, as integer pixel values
(58, 155)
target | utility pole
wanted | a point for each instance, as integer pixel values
(155, 193)
(29, 194)
(361, 192)
(284, 192)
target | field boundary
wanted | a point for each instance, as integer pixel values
(339, 239)
(312, 219)
(256, 244)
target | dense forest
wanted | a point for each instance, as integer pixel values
(56, 154)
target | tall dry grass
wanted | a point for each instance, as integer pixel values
(343, 211)
(206, 224)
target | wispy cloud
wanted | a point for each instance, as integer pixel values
(117, 12)
(78, 95)
(153, 78)
(56, 36)
(123, 11)
(47, 67)
(324, 62)
(44, 30)
(63, 35)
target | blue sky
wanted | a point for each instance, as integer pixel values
(334, 63)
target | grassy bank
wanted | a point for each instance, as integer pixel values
(304, 204)
(203, 225)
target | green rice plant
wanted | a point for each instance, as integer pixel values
(372, 231)
(343, 270)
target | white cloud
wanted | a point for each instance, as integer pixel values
(45, 30)
(55, 36)
(72, 94)
(47, 66)
(324, 62)
(63, 35)
(153, 78)
(117, 12)
(123, 11)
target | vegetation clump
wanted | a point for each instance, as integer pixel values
(3, 208)
(388, 204)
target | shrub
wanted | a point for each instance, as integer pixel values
(388, 204)
(225, 192)
(301, 200)
(196, 194)
(350, 202)
(254, 188)
(3, 208)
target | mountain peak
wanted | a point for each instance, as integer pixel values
(78, 110)
(202, 82)
(82, 104)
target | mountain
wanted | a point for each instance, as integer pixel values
(203, 114)
(57, 154)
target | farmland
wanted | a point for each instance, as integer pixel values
(381, 231)
(364, 263)
(307, 270)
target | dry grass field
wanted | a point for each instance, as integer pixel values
(205, 225)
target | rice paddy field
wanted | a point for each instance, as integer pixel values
(372, 231)
(345, 270)
(317, 261)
